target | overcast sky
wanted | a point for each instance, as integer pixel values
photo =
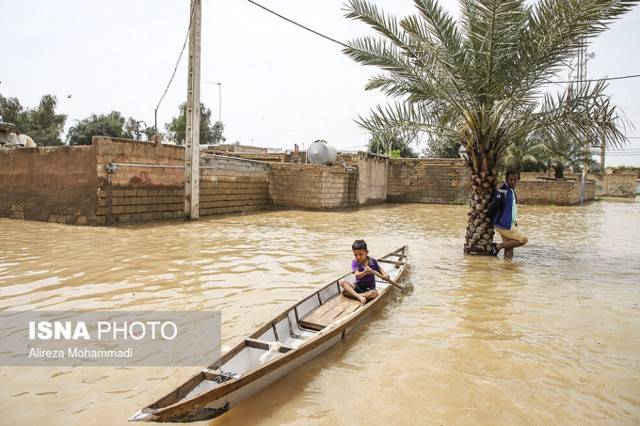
(280, 84)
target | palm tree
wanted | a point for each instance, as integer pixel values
(561, 149)
(482, 79)
(525, 154)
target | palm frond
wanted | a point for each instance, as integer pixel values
(585, 112)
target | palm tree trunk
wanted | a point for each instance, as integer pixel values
(479, 227)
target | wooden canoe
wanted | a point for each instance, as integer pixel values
(292, 338)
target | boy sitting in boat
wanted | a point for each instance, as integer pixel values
(362, 266)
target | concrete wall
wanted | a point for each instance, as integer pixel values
(552, 192)
(49, 184)
(373, 175)
(312, 187)
(441, 181)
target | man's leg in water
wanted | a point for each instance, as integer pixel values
(508, 246)
(510, 239)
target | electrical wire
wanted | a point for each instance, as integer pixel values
(298, 24)
(175, 69)
(620, 77)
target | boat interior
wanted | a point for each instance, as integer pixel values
(318, 313)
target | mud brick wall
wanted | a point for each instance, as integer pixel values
(562, 193)
(230, 185)
(438, 181)
(620, 184)
(149, 182)
(312, 187)
(147, 185)
(55, 184)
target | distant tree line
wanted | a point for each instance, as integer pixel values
(537, 152)
(46, 127)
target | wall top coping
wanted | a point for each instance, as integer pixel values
(428, 160)
(229, 157)
(44, 150)
(97, 139)
(318, 167)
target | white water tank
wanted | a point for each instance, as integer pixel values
(320, 152)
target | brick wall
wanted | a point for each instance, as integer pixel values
(311, 186)
(149, 182)
(553, 192)
(229, 185)
(616, 184)
(440, 181)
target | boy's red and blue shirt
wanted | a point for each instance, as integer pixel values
(368, 281)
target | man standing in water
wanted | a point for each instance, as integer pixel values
(503, 212)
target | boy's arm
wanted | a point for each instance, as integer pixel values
(361, 274)
(358, 274)
(384, 274)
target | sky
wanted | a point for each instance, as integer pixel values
(280, 84)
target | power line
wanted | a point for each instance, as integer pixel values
(298, 24)
(621, 77)
(175, 69)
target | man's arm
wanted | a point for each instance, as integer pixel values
(496, 204)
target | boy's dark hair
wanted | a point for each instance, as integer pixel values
(511, 173)
(359, 245)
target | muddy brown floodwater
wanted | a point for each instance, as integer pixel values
(552, 337)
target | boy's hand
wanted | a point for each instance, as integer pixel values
(367, 270)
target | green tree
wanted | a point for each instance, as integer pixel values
(217, 131)
(481, 80)
(135, 129)
(111, 124)
(42, 123)
(12, 112)
(209, 134)
(392, 141)
(442, 147)
(45, 126)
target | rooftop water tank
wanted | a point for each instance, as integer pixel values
(320, 152)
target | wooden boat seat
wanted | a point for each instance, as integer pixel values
(331, 310)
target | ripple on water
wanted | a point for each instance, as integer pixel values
(478, 340)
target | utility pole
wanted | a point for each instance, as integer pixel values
(192, 148)
(582, 76)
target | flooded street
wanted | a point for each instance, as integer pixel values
(551, 337)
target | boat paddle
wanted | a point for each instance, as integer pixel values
(382, 277)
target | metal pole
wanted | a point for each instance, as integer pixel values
(192, 149)
(602, 154)
(582, 74)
